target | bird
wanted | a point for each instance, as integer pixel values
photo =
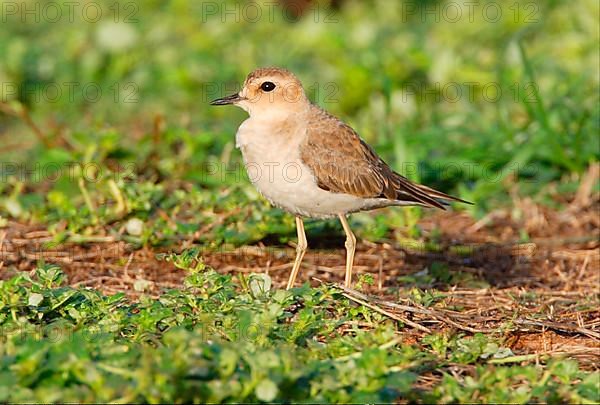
(311, 164)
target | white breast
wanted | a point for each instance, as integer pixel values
(272, 159)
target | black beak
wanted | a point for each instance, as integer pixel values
(226, 100)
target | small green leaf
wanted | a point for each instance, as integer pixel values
(35, 299)
(266, 390)
(259, 284)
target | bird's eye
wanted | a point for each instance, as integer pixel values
(267, 86)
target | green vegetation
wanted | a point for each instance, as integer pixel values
(106, 132)
(213, 341)
(476, 105)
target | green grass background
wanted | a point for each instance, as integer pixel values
(467, 104)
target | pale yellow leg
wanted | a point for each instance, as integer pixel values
(350, 248)
(300, 250)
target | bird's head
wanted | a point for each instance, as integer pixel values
(269, 92)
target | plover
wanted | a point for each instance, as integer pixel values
(311, 164)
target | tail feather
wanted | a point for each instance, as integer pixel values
(411, 191)
(427, 196)
(438, 194)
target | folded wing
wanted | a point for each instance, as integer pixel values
(343, 163)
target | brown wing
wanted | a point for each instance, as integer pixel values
(343, 163)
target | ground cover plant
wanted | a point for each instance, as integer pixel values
(138, 264)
